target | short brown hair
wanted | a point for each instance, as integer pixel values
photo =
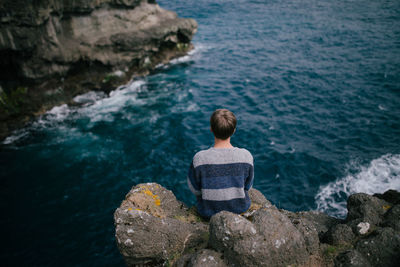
(223, 123)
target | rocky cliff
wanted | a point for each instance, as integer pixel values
(52, 50)
(154, 229)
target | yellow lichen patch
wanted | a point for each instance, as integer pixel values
(156, 198)
(386, 207)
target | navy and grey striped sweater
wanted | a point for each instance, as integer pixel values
(221, 179)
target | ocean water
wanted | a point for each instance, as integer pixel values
(315, 86)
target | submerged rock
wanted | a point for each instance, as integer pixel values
(52, 50)
(155, 229)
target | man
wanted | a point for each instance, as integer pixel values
(222, 175)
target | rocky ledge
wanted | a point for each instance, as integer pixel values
(153, 228)
(52, 50)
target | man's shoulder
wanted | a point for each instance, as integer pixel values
(213, 156)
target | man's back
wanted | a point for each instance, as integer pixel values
(221, 178)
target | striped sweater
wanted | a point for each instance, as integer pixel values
(221, 179)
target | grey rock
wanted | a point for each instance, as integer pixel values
(321, 221)
(392, 218)
(391, 196)
(152, 227)
(366, 208)
(258, 198)
(351, 258)
(207, 257)
(307, 228)
(110, 36)
(339, 234)
(381, 248)
(269, 240)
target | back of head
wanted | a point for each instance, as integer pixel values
(223, 123)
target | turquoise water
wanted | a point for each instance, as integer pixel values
(316, 89)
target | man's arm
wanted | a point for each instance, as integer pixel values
(193, 181)
(248, 184)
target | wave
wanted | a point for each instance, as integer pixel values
(191, 56)
(378, 176)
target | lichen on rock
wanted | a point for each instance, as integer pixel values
(155, 229)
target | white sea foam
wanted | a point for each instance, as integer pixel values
(96, 107)
(191, 56)
(16, 135)
(56, 114)
(104, 109)
(380, 175)
(89, 98)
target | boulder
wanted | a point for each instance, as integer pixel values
(206, 257)
(152, 227)
(381, 248)
(391, 196)
(340, 234)
(366, 208)
(270, 239)
(351, 258)
(307, 228)
(392, 218)
(321, 221)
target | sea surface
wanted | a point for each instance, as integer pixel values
(315, 86)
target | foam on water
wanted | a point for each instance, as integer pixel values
(380, 175)
(17, 135)
(191, 56)
(89, 98)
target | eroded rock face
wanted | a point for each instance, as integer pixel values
(269, 239)
(52, 50)
(382, 248)
(366, 208)
(48, 37)
(152, 227)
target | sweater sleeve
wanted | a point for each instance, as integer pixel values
(248, 184)
(193, 181)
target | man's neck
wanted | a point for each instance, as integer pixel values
(219, 143)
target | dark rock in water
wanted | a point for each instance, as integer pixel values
(351, 258)
(54, 50)
(155, 229)
(382, 248)
(391, 196)
(366, 208)
(339, 234)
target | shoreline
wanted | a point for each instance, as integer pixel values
(54, 56)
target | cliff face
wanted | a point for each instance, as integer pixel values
(52, 50)
(154, 229)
